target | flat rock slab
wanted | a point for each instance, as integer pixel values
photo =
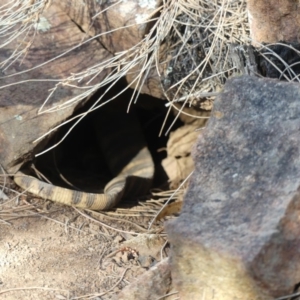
(24, 87)
(26, 84)
(238, 236)
(120, 26)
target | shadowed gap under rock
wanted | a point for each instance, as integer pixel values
(77, 163)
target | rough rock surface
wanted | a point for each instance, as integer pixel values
(125, 21)
(19, 103)
(153, 284)
(238, 236)
(120, 26)
(63, 25)
(273, 21)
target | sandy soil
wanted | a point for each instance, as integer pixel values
(48, 251)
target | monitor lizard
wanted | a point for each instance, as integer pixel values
(128, 158)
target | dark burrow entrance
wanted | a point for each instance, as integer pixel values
(78, 162)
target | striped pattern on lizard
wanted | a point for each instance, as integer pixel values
(127, 156)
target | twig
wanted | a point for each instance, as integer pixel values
(33, 288)
(288, 296)
(116, 219)
(90, 296)
(164, 296)
(105, 225)
(171, 197)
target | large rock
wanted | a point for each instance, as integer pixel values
(153, 284)
(63, 25)
(273, 21)
(238, 236)
(121, 26)
(20, 118)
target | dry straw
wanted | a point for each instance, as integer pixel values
(187, 45)
(195, 34)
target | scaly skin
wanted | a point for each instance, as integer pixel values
(141, 166)
(127, 156)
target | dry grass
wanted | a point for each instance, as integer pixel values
(133, 216)
(194, 69)
(18, 19)
(283, 59)
(196, 34)
(188, 47)
(195, 66)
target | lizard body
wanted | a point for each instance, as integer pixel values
(128, 158)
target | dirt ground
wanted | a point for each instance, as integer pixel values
(50, 251)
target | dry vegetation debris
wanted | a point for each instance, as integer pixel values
(188, 45)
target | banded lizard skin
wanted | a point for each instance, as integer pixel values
(125, 151)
